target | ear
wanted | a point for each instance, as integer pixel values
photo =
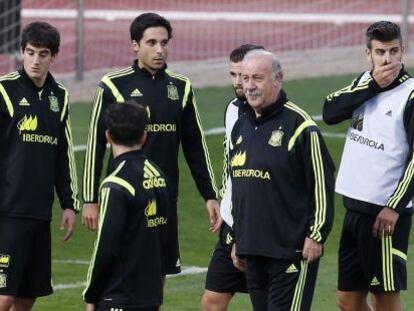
(279, 76)
(108, 137)
(368, 53)
(143, 138)
(53, 58)
(135, 46)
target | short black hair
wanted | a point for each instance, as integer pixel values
(238, 54)
(147, 20)
(41, 35)
(383, 31)
(126, 122)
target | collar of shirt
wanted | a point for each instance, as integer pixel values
(145, 72)
(128, 155)
(30, 84)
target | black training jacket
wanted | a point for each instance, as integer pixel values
(36, 149)
(174, 119)
(283, 182)
(127, 262)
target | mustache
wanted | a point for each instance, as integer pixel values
(253, 93)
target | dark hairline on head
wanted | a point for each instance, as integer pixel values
(148, 20)
(238, 54)
(383, 31)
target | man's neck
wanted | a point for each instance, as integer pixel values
(117, 150)
(151, 71)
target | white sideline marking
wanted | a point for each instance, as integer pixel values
(221, 130)
(111, 15)
(185, 271)
(78, 262)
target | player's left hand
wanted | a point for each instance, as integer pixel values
(312, 250)
(385, 222)
(90, 307)
(68, 220)
(213, 209)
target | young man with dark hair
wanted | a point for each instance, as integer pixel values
(282, 190)
(174, 120)
(36, 158)
(376, 174)
(225, 277)
(126, 270)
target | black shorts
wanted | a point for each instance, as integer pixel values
(368, 263)
(281, 284)
(25, 257)
(171, 249)
(222, 276)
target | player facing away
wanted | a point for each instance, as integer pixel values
(126, 270)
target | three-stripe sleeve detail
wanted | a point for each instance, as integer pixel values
(7, 100)
(72, 165)
(350, 89)
(402, 187)
(105, 192)
(320, 191)
(89, 169)
(205, 149)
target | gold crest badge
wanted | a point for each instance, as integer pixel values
(54, 104)
(172, 92)
(276, 138)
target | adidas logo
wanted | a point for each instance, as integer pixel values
(374, 281)
(389, 113)
(24, 102)
(152, 177)
(292, 269)
(136, 93)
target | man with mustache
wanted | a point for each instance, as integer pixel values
(282, 190)
(170, 103)
(376, 174)
(225, 275)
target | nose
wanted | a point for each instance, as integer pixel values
(159, 49)
(387, 58)
(36, 58)
(238, 79)
(248, 84)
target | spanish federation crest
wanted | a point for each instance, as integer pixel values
(172, 92)
(275, 139)
(54, 104)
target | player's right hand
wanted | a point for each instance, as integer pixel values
(237, 262)
(385, 74)
(90, 213)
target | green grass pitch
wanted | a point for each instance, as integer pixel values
(184, 292)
